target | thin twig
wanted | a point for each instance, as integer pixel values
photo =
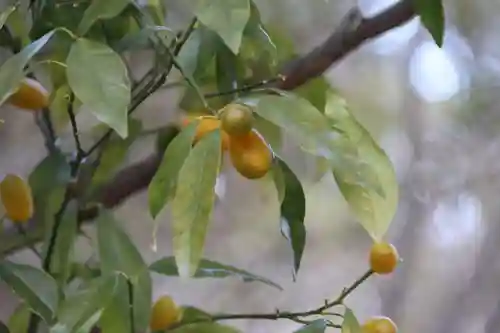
(76, 136)
(298, 315)
(247, 88)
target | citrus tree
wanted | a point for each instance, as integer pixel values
(243, 88)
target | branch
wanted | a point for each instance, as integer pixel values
(352, 32)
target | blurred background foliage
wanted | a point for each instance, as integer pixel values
(435, 111)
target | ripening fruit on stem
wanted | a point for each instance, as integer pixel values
(379, 324)
(16, 198)
(250, 155)
(164, 314)
(236, 119)
(383, 258)
(30, 95)
(206, 125)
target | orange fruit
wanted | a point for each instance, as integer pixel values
(379, 324)
(206, 125)
(16, 198)
(383, 258)
(30, 95)
(236, 119)
(164, 314)
(250, 155)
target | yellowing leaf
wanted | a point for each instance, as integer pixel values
(98, 77)
(350, 323)
(368, 181)
(227, 18)
(162, 186)
(193, 202)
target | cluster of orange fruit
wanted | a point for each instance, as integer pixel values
(250, 154)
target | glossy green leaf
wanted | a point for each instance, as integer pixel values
(162, 186)
(118, 253)
(6, 13)
(33, 286)
(99, 79)
(350, 323)
(279, 181)
(226, 64)
(66, 234)
(192, 314)
(116, 315)
(46, 208)
(53, 170)
(142, 38)
(372, 168)
(315, 91)
(431, 14)
(209, 269)
(84, 308)
(59, 107)
(19, 320)
(98, 10)
(190, 52)
(12, 70)
(298, 118)
(227, 18)
(193, 202)
(114, 153)
(293, 212)
(156, 10)
(316, 326)
(205, 328)
(270, 132)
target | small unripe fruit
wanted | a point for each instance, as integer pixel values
(164, 314)
(379, 324)
(16, 198)
(383, 258)
(236, 119)
(30, 95)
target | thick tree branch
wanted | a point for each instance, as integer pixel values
(352, 32)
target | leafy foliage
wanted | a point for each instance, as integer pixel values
(226, 54)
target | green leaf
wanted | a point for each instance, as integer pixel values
(98, 10)
(66, 234)
(192, 314)
(316, 326)
(53, 170)
(227, 18)
(315, 91)
(350, 323)
(118, 253)
(114, 152)
(431, 14)
(270, 132)
(84, 308)
(293, 212)
(189, 54)
(12, 70)
(372, 168)
(141, 39)
(59, 107)
(156, 10)
(227, 71)
(33, 286)
(99, 79)
(116, 315)
(209, 269)
(205, 328)
(6, 13)
(19, 320)
(193, 202)
(279, 181)
(298, 118)
(162, 186)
